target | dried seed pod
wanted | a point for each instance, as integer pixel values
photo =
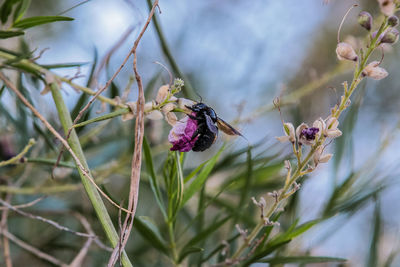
(344, 51)
(375, 72)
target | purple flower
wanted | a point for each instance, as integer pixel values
(181, 134)
(309, 133)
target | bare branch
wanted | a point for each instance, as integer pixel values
(39, 218)
(137, 154)
(32, 249)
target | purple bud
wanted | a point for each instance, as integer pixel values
(365, 20)
(393, 21)
(309, 133)
(391, 36)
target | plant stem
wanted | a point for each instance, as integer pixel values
(172, 242)
(298, 173)
(92, 192)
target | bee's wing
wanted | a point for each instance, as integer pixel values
(210, 125)
(226, 128)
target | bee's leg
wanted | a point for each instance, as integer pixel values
(194, 117)
(197, 132)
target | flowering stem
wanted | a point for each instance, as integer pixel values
(301, 164)
(359, 70)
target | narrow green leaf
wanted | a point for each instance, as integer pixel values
(194, 172)
(21, 9)
(265, 251)
(204, 234)
(291, 233)
(64, 65)
(373, 254)
(5, 9)
(196, 185)
(189, 250)
(108, 116)
(148, 229)
(301, 260)
(9, 34)
(153, 178)
(35, 21)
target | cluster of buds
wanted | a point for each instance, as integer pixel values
(390, 35)
(306, 135)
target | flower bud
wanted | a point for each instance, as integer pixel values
(388, 7)
(162, 93)
(393, 21)
(375, 72)
(391, 36)
(344, 51)
(365, 20)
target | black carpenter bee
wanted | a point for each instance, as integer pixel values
(207, 131)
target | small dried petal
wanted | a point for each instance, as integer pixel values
(391, 36)
(154, 115)
(168, 108)
(162, 94)
(388, 7)
(325, 158)
(183, 102)
(287, 164)
(300, 128)
(148, 106)
(282, 139)
(132, 114)
(171, 118)
(319, 158)
(375, 72)
(344, 51)
(365, 20)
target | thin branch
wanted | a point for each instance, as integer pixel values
(137, 154)
(26, 205)
(39, 218)
(32, 249)
(3, 226)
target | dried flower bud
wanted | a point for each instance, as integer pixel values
(319, 157)
(344, 51)
(365, 20)
(162, 93)
(183, 102)
(387, 7)
(375, 72)
(154, 115)
(391, 36)
(393, 21)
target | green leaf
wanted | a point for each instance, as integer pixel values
(153, 178)
(196, 185)
(301, 260)
(21, 9)
(9, 34)
(376, 233)
(148, 229)
(6, 8)
(35, 21)
(189, 250)
(204, 234)
(64, 65)
(294, 231)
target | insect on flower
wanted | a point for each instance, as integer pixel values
(200, 129)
